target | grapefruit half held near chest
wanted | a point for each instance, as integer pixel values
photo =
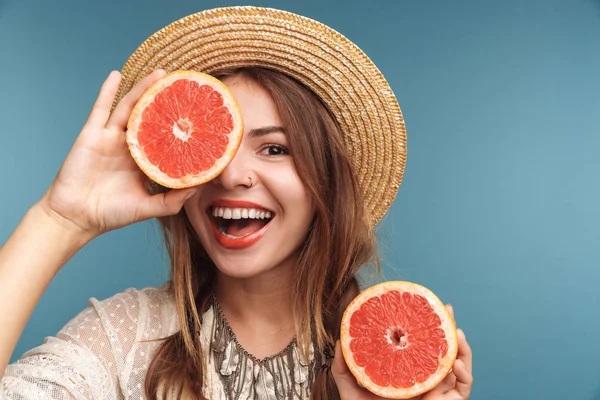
(185, 129)
(398, 339)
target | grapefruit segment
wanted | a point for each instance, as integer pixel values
(185, 129)
(398, 339)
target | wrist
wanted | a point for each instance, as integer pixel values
(56, 226)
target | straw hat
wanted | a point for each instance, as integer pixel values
(334, 68)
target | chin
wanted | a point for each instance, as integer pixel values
(239, 266)
(252, 264)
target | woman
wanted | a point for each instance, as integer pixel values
(264, 257)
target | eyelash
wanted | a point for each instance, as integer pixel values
(283, 150)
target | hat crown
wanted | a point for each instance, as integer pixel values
(334, 68)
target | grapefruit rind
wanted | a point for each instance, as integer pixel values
(447, 324)
(135, 118)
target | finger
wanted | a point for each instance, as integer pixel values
(464, 378)
(120, 116)
(101, 109)
(346, 383)
(464, 351)
(446, 385)
(463, 366)
(165, 204)
(450, 310)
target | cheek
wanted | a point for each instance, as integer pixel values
(293, 196)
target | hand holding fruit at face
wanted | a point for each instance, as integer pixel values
(400, 342)
(99, 186)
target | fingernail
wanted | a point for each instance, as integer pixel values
(461, 333)
(113, 73)
(190, 194)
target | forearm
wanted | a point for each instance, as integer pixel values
(30, 258)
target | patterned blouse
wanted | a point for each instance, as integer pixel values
(105, 351)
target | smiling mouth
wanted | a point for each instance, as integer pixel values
(239, 227)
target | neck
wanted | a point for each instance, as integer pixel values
(263, 301)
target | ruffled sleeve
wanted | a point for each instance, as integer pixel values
(100, 354)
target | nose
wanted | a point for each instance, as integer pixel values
(238, 174)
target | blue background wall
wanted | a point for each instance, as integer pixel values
(499, 209)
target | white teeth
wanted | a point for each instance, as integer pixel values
(239, 213)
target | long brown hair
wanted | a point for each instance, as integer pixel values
(339, 242)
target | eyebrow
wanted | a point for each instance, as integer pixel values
(266, 130)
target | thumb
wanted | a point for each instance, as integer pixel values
(339, 366)
(345, 381)
(347, 384)
(165, 204)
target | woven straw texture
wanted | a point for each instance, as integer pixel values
(346, 80)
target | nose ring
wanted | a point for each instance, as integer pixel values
(250, 179)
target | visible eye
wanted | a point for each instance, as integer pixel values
(274, 150)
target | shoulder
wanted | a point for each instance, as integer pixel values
(133, 298)
(149, 311)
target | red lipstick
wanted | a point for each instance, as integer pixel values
(230, 242)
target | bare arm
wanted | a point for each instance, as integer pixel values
(33, 254)
(99, 188)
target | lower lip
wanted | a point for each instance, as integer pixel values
(237, 243)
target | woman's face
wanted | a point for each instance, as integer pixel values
(253, 217)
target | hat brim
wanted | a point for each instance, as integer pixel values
(333, 67)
